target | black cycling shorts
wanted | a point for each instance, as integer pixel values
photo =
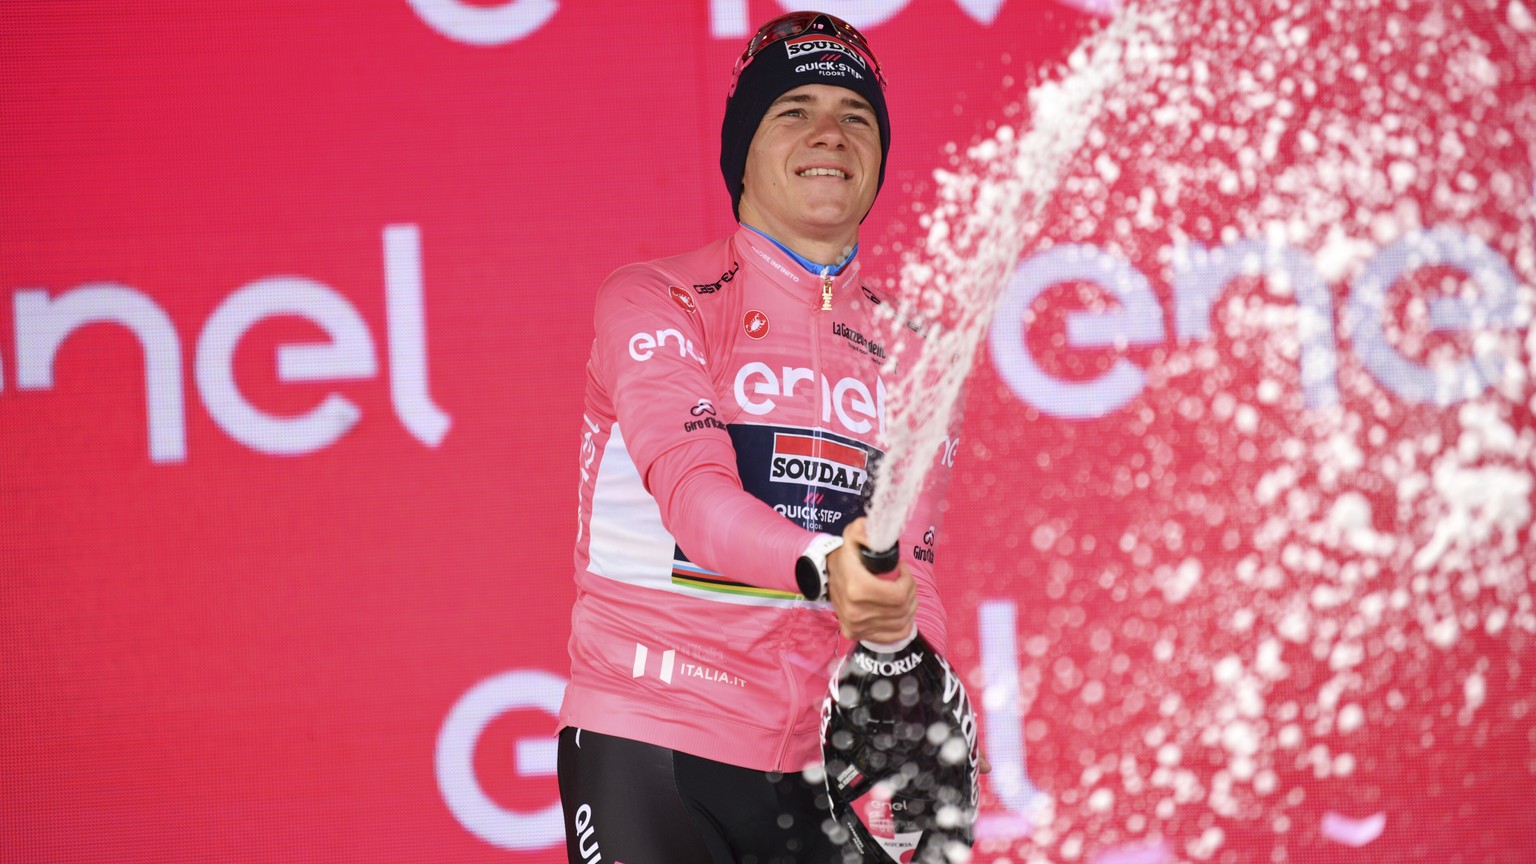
(637, 803)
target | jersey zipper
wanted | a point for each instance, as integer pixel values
(795, 696)
(794, 712)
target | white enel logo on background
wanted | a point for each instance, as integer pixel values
(44, 323)
(510, 691)
(1199, 277)
(485, 25)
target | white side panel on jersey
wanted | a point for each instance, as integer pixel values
(628, 543)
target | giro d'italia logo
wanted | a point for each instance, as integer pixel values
(485, 25)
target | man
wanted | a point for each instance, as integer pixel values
(733, 414)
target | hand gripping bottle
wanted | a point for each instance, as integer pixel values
(898, 719)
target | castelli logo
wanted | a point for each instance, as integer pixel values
(755, 323)
(682, 298)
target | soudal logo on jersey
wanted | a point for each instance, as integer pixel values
(818, 462)
(800, 49)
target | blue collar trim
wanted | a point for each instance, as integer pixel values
(808, 264)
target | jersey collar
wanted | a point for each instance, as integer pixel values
(809, 265)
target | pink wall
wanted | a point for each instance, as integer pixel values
(267, 602)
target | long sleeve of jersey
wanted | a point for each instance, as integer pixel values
(652, 353)
(722, 527)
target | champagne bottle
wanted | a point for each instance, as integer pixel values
(898, 716)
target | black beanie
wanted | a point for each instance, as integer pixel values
(817, 56)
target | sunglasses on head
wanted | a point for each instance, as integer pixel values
(799, 24)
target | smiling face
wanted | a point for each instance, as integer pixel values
(812, 170)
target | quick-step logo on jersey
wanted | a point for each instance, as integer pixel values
(812, 477)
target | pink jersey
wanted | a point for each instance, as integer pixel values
(729, 416)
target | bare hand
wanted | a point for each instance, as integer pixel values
(869, 607)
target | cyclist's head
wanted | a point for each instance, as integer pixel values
(789, 52)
